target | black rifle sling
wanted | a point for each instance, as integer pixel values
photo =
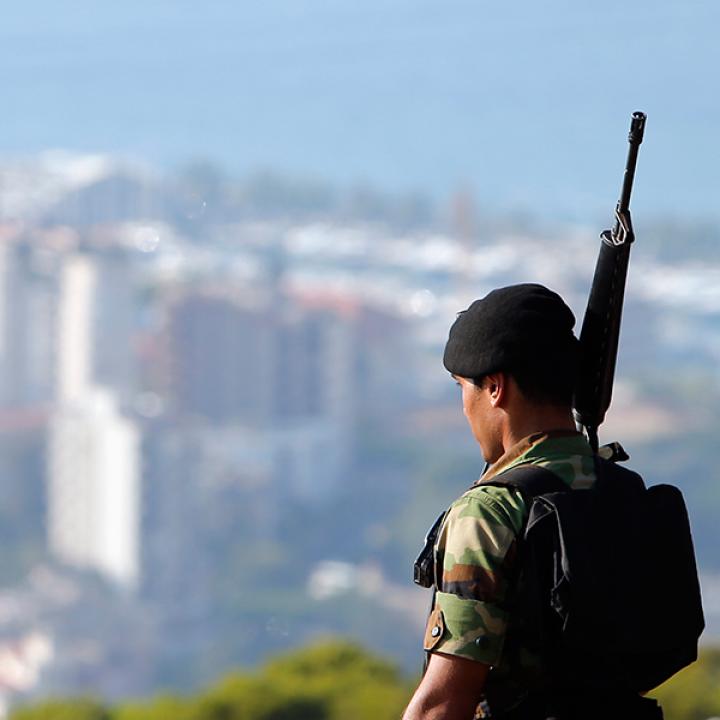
(531, 480)
(501, 690)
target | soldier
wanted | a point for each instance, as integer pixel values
(514, 356)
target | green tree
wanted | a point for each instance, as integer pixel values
(79, 709)
(164, 706)
(241, 697)
(355, 684)
(694, 693)
(333, 680)
(339, 680)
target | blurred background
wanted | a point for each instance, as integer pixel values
(233, 237)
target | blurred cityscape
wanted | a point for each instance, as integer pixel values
(225, 422)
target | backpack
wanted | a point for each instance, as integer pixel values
(606, 593)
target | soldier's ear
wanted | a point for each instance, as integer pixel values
(495, 384)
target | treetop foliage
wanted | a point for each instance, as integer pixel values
(339, 680)
(332, 680)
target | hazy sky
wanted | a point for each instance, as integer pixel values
(526, 103)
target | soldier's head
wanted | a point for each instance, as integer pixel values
(515, 355)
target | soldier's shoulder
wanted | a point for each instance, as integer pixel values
(504, 504)
(576, 471)
(481, 492)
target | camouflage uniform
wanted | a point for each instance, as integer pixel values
(476, 549)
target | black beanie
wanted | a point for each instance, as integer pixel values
(510, 327)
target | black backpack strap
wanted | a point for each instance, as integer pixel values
(531, 480)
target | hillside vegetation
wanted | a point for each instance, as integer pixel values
(338, 680)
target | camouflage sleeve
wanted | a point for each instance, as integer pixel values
(475, 559)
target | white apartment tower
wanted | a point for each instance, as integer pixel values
(93, 451)
(93, 493)
(75, 328)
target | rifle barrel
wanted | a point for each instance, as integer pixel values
(635, 138)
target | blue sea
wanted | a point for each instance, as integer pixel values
(526, 105)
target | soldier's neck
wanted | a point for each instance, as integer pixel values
(534, 419)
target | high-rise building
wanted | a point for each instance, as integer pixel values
(76, 341)
(94, 487)
(282, 373)
(96, 320)
(28, 316)
(219, 354)
(114, 321)
(93, 457)
(238, 362)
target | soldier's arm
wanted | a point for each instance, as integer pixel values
(465, 632)
(450, 689)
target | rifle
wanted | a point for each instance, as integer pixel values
(601, 326)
